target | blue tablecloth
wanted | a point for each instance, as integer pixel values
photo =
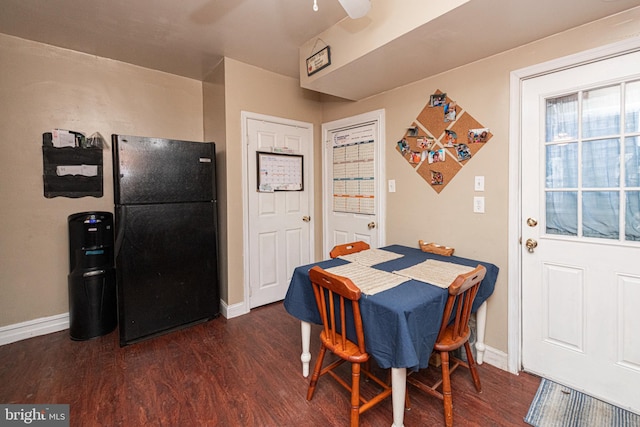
(400, 324)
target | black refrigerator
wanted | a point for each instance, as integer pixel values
(166, 235)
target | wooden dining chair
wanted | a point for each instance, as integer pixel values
(333, 294)
(454, 333)
(348, 248)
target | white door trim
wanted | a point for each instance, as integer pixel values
(245, 116)
(377, 116)
(515, 171)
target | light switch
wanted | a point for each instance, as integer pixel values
(392, 186)
(478, 204)
(479, 183)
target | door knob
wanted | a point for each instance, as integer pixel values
(531, 245)
(371, 225)
(306, 218)
(531, 222)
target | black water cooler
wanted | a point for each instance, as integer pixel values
(92, 284)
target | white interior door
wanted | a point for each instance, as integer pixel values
(581, 206)
(280, 227)
(353, 186)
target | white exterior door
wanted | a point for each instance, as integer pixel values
(280, 226)
(353, 190)
(581, 207)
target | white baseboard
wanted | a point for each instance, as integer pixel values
(60, 322)
(33, 328)
(235, 310)
(496, 358)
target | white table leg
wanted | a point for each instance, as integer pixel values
(305, 357)
(481, 323)
(399, 390)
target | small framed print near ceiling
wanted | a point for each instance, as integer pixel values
(319, 60)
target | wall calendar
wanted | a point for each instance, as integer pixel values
(354, 170)
(279, 172)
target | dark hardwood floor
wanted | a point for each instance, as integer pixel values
(244, 371)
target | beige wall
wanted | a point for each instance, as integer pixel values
(482, 89)
(213, 95)
(41, 88)
(251, 89)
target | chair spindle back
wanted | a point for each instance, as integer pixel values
(328, 289)
(462, 293)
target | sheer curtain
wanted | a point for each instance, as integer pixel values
(593, 163)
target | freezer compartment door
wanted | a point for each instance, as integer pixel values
(166, 267)
(154, 170)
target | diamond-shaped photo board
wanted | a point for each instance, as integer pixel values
(442, 140)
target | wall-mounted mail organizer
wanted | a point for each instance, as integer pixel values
(74, 170)
(442, 140)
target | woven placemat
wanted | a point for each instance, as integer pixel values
(371, 257)
(369, 280)
(435, 272)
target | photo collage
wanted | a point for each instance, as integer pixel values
(442, 139)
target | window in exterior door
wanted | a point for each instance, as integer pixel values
(592, 162)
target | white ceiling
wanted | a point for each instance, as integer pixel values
(189, 37)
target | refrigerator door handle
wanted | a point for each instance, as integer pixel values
(120, 231)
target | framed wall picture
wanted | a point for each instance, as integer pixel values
(319, 61)
(280, 172)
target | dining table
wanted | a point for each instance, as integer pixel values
(401, 320)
